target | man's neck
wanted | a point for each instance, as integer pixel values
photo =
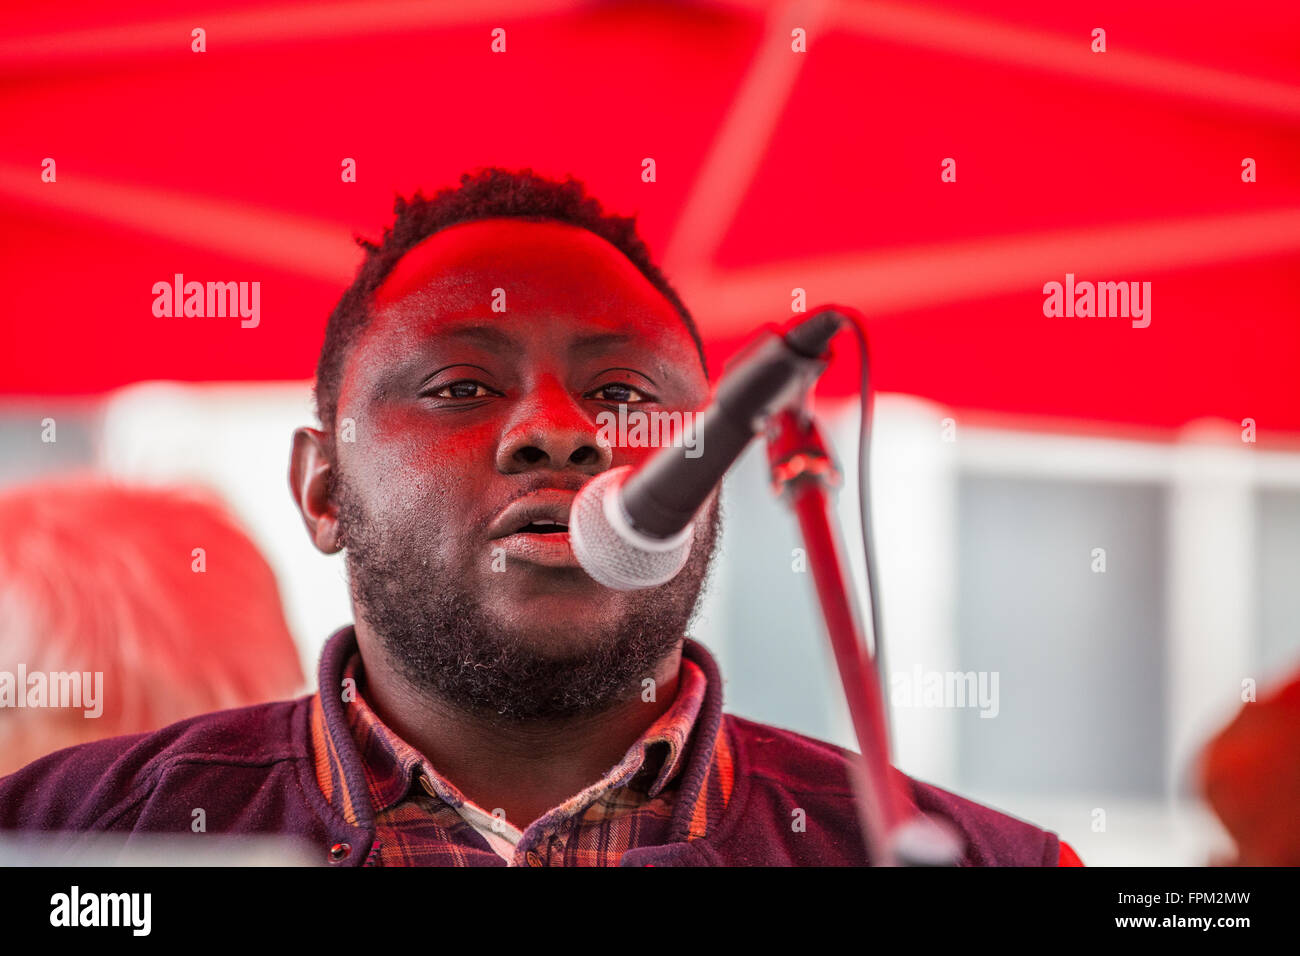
(523, 768)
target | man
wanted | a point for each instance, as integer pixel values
(493, 704)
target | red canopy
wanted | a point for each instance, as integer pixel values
(775, 169)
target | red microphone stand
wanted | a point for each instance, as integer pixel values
(894, 831)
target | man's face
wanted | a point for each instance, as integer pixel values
(471, 422)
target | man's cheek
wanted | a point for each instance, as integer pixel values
(412, 437)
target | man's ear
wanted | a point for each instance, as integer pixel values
(310, 470)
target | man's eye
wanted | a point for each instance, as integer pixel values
(463, 389)
(619, 392)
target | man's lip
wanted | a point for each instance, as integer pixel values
(549, 550)
(549, 504)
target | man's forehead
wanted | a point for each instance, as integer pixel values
(473, 259)
(567, 292)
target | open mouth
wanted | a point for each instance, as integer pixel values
(535, 529)
(544, 526)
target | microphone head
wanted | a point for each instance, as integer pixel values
(611, 550)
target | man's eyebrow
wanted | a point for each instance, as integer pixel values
(491, 336)
(599, 340)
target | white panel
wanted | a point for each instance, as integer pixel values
(235, 439)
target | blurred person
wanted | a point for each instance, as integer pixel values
(489, 706)
(99, 578)
(1250, 775)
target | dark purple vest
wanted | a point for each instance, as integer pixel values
(252, 770)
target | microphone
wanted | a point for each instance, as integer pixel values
(631, 527)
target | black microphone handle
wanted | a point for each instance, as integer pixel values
(662, 496)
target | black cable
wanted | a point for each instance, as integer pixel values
(866, 409)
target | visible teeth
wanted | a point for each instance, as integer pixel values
(539, 525)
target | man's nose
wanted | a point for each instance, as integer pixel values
(550, 429)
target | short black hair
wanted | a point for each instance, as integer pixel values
(489, 193)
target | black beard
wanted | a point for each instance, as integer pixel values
(443, 642)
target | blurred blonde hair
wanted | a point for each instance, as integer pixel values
(98, 576)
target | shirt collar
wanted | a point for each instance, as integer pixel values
(390, 766)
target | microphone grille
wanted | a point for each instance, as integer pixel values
(611, 550)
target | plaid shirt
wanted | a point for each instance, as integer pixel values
(422, 819)
(294, 768)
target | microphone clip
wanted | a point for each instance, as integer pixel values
(796, 452)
